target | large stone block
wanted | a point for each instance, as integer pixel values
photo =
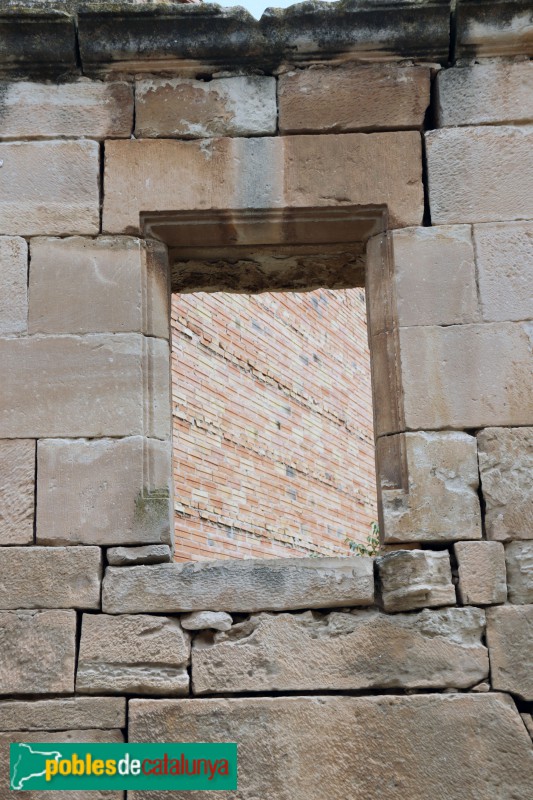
(510, 640)
(240, 586)
(482, 174)
(309, 748)
(50, 577)
(504, 255)
(244, 105)
(372, 97)
(506, 466)
(269, 173)
(17, 491)
(519, 561)
(485, 94)
(49, 188)
(109, 491)
(137, 654)
(339, 651)
(37, 651)
(411, 579)
(109, 284)
(96, 385)
(13, 285)
(428, 485)
(59, 713)
(482, 576)
(88, 109)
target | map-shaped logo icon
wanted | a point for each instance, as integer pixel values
(28, 762)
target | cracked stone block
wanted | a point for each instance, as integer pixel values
(58, 713)
(343, 651)
(17, 491)
(310, 748)
(37, 652)
(506, 466)
(239, 586)
(519, 560)
(412, 579)
(510, 640)
(482, 578)
(138, 654)
(13, 285)
(130, 556)
(50, 577)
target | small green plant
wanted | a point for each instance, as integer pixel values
(372, 546)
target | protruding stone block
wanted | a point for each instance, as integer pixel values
(109, 284)
(489, 93)
(135, 654)
(519, 560)
(13, 285)
(50, 577)
(204, 620)
(130, 556)
(17, 491)
(481, 573)
(373, 97)
(506, 466)
(424, 742)
(415, 579)
(339, 651)
(49, 188)
(510, 640)
(482, 174)
(488, 29)
(88, 109)
(110, 491)
(244, 105)
(37, 650)
(428, 484)
(58, 713)
(240, 586)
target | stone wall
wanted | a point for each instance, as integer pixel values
(407, 676)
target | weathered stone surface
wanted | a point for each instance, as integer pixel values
(135, 654)
(201, 620)
(481, 572)
(70, 736)
(497, 161)
(49, 187)
(339, 651)
(506, 466)
(372, 97)
(415, 579)
(502, 28)
(83, 108)
(424, 745)
(110, 491)
(37, 651)
(58, 713)
(13, 285)
(467, 376)
(528, 722)
(510, 640)
(240, 586)
(428, 484)
(130, 556)
(485, 94)
(17, 491)
(109, 284)
(46, 577)
(504, 255)
(269, 172)
(96, 385)
(244, 105)
(519, 561)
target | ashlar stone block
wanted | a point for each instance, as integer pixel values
(145, 554)
(13, 285)
(510, 640)
(519, 561)
(412, 579)
(482, 577)
(58, 713)
(17, 491)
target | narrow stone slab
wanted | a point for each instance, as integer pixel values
(136, 654)
(415, 579)
(240, 586)
(339, 651)
(510, 640)
(519, 561)
(17, 491)
(287, 745)
(50, 577)
(13, 284)
(130, 556)
(37, 651)
(205, 620)
(58, 714)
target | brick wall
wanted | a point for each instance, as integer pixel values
(273, 435)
